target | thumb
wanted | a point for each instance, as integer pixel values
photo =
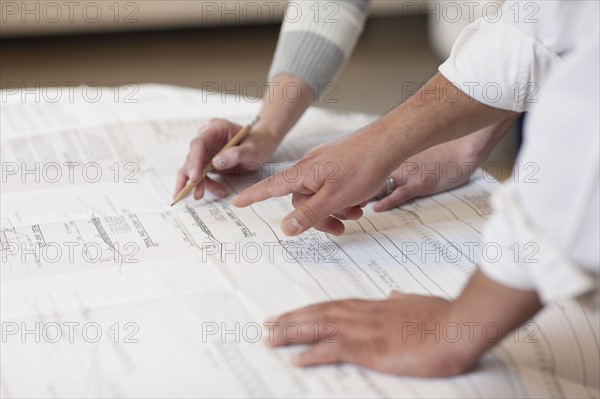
(227, 159)
(307, 215)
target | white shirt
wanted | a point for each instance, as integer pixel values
(503, 60)
(547, 217)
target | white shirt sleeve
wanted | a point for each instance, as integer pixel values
(546, 223)
(504, 59)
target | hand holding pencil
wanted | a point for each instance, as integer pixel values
(200, 151)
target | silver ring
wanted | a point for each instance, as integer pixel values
(389, 186)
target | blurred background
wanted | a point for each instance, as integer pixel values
(229, 43)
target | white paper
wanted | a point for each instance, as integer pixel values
(178, 294)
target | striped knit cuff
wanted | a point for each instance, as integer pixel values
(314, 46)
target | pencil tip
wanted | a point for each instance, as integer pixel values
(172, 204)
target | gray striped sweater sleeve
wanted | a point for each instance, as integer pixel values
(317, 38)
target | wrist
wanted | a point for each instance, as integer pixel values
(464, 350)
(473, 148)
(269, 131)
(483, 141)
(265, 140)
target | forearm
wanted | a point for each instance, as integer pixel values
(439, 112)
(284, 103)
(484, 140)
(484, 302)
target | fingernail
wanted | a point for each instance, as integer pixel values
(192, 174)
(291, 226)
(220, 193)
(234, 200)
(377, 207)
(219, 162)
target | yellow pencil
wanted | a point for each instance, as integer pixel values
(235, 140)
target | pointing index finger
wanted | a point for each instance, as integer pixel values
(275, 186)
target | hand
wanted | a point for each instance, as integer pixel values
(364, 160)
(441, 168)
(382, 335)
(333, 182)
(254, 150)
(407, 334)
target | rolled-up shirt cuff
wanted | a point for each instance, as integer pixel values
(499, 65)
(514, 254)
